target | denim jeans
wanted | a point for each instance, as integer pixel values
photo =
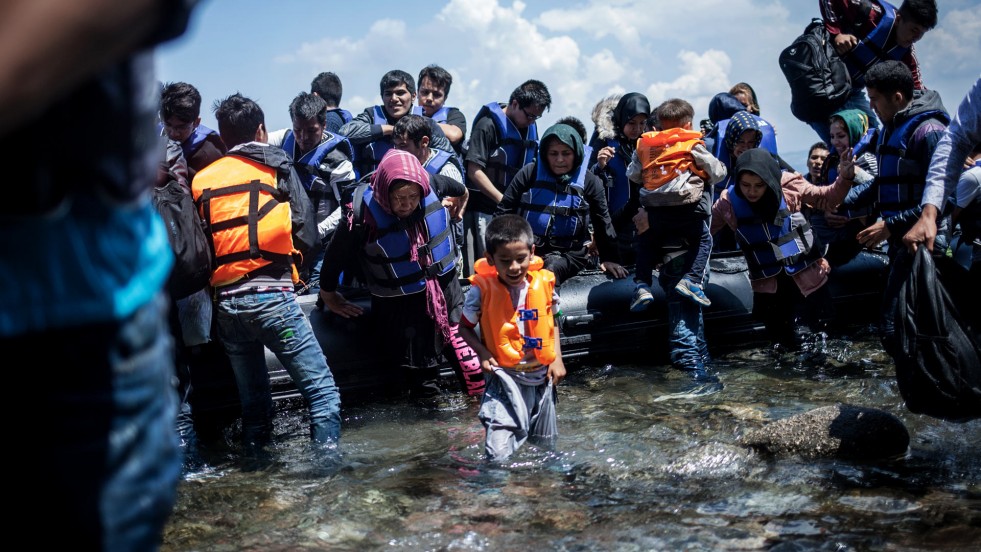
(660, 235)
(103, 459)
(857, 100)
(689, 350)
(246, 324)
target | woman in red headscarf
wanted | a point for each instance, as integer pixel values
(401, 235)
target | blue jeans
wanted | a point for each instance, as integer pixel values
(857, 100)
(104, 458)
(689, 350)
(247, 324)
(662, 236)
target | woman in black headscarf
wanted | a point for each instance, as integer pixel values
(613, 145)
(561, 200)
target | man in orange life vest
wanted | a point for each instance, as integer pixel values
(258, 216)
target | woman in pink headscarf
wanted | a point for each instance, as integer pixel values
(401, 235)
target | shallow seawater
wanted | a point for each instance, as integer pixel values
(646, 460)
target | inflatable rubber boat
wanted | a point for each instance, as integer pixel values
(596, 322)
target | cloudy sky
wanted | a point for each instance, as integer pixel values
(583, 50)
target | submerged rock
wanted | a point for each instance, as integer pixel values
(839, 431)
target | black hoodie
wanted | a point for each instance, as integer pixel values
(761, 163)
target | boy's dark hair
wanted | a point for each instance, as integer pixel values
(238, 119)
(652, 122)
(181, 100)
(394, 78)
(505, 229)
(575, 123)
(413, 127)
(675, 110)
(818, 145)
(532, 92)
(890, 76)
(440, 77)
(923, 12)
(327, 85)
(307, 106)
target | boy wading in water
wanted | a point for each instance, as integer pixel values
(513, 299)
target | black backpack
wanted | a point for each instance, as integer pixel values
(938, 364)
(819, 79)
(193, 258)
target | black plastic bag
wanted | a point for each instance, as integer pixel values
(938, 365)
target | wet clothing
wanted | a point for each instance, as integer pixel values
(519, 401)
(256, 306)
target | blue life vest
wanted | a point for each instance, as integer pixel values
(390, 271)
(719, 150)
(437, 162)
(872, 48)
(345, 114)
(901, 180)
(197, 138)
(439, 116)
(310, 165)
(771, 246)
(618, 194)
(513, 151)
(380, 147)
(557, 214)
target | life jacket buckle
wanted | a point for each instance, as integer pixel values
(531, 343)
(525, 315)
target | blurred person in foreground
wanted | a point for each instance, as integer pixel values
(85, 258)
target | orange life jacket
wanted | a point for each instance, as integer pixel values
(511, 332)
(666, 154)
(249, 228)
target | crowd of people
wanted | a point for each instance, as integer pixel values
(400, 201)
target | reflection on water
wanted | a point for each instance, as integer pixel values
(645, 461)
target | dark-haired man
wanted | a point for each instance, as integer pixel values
(180, 120)
(328, 86)
(504, 138)
(868, 32)
(913, 121)
(323, 161)
(434, 88)
(371, 131)
(256, 307)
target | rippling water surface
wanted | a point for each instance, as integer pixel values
(646, 460)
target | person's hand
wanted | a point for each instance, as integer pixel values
(489, 364)
(835, 220)
(604, 155)
(844, 42)
(846, 166)
(454, 206)
(924, 231)
(556, 371)
(339, 305)
(614, 269)
(640, 221)
(592, 250)
(874, 235)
